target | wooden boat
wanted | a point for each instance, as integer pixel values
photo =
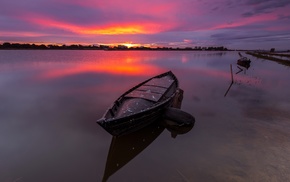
(244, 61)
(125, 148)
(141, 105)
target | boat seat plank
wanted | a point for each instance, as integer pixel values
(164, 82)
(152, 89)
(145, 95)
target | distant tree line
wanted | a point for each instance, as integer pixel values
(8, 45)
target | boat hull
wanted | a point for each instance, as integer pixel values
(118, 119)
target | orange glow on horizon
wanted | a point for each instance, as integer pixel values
(130, 44)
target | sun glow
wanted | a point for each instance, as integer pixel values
(131, 45)
(115, 30)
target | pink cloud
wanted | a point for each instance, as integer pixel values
(246, 21)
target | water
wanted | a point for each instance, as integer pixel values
(50, 101)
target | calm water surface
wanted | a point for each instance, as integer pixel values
(50, 101)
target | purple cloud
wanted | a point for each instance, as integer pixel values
(163, 22)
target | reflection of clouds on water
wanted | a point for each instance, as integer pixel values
(255, 104)
(260, 140)
(48, 127)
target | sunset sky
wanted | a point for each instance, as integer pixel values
(244, 24)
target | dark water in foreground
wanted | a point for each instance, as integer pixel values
(50, 101)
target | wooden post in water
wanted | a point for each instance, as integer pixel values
(231, 81)
(232, 73)
(177, 101)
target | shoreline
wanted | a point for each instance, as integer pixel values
(269, 56)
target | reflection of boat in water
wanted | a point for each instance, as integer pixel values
(141, 105)
(244, 61)
(124, 148)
